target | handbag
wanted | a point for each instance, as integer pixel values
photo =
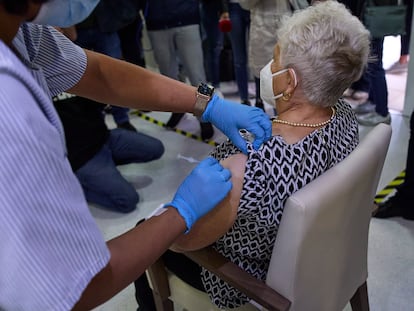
(384, 18)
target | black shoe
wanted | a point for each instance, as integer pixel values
(395, 207)
(127, 126)
(174, 119)
(207, 130)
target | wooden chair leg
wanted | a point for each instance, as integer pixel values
(160, 287)
(359, 302)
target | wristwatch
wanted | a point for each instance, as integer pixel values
(203, 95)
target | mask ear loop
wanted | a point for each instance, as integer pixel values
(292, 71)
(286, 96)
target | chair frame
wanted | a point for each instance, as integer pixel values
(226, 270)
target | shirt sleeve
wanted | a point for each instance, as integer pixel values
(50, 245)
(63, 63)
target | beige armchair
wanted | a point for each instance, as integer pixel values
(319, 261)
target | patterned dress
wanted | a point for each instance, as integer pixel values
(272, 174)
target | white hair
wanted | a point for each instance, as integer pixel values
(327, 46)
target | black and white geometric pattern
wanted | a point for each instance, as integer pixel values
(272, 174)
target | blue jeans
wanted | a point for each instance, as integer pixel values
(108, 44)
(101, 181)
(240, 20)
(213, 38)
(378, 93)
(96, 40)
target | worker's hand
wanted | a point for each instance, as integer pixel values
(230, 117)
(205, 187)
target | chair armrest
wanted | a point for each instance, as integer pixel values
(161, 289)
(229, 272)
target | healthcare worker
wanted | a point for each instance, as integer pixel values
(52, 254)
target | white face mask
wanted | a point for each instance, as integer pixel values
(266, 83)
(64, 13)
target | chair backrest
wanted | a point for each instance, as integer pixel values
(320, 254)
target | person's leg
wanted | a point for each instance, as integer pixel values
(213, 38)
(378, 93)
(165, 55)
(131, 147)
(121, 118)
(131, 44)
(87, 37)
(109, 44)
(402, 64)
(360, 93)
(190, 53)
(143, 294)
(103, 184)
(401, 204)
(188, 42)
(240, 19)
(363, 84)
(405, 39)
(405, 191)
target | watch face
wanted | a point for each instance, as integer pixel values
(205, 89)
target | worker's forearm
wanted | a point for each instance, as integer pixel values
(117, 82)
(131, 254)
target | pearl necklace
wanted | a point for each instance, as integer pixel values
(275, 120)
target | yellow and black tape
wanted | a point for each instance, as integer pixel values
(390, 187)
(162, 124)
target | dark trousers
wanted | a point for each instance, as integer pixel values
(373, 79)
(405, 190)
(405, 39)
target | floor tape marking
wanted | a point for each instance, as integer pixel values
(164, 125)
(390, 187)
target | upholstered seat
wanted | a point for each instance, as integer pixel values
(319, 260)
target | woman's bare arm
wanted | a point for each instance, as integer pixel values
(219, 220)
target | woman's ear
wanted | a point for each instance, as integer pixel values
(292, 81)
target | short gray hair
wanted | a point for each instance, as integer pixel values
(327, 46)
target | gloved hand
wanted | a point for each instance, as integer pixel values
(230, 117)
(205, 187)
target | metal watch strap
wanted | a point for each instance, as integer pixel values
(203, 95)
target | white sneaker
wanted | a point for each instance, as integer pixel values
(373, 118)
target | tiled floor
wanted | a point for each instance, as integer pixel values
(391, 242)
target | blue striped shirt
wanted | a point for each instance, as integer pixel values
(50, 246)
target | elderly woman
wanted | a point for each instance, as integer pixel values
(320, 51)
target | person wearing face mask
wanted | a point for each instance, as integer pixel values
(53, 255)
(314, 130)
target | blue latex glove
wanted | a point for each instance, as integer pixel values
(230, 117)
(206, 186)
